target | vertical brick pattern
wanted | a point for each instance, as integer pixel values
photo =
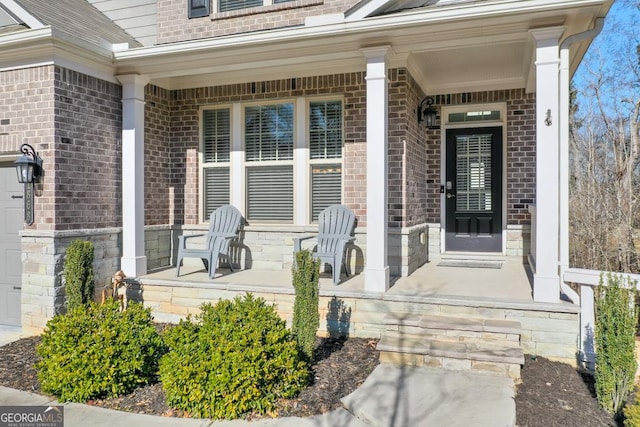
(185, 106)
(174, 24)
(521, 150)
(88, 152)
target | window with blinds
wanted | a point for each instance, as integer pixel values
(325, 147)
(473, 163)
(268, 137)
(216, 135)
(270, 193)
(325, 130)
(227, 5)
(216, 147)
(268, 132)
(216, 190)
(326, 188)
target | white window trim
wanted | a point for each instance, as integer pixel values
(301, 161)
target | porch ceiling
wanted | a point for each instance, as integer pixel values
(463, 53)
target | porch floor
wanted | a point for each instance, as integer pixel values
(510, 283)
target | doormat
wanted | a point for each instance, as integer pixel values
(470, 263)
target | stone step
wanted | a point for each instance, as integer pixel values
(427, 321)
(400, 343)
(399, 348)
(456, 329)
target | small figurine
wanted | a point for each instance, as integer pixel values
(116, 290)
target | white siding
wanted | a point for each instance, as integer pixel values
(136, 17)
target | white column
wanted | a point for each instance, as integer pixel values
(134, 260)
(236, 171)
(376, 273)
(301, 172)
(546, 279)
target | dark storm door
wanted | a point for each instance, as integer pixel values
(473, 190)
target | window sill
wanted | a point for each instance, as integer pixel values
(296, 4)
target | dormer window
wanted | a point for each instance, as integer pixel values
(199, 8)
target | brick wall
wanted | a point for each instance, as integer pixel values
(158, 157)
(27, 116)
(521, 152)
(174, 25)
(88, 152)
(75, 123)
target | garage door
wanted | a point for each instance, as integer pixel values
(10, 251)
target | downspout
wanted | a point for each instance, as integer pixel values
(564, 151)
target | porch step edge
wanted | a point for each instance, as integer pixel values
(473, 256)
(454, 350)
(473, 324)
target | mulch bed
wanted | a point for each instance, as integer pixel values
(341, 367)
(550, 393)
(556, 394)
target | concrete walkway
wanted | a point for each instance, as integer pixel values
(392, 396)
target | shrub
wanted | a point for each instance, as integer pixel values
(306, 317)
(616, 321)
(78, 273)
(632, 413)
(97, 351)
(234, 358)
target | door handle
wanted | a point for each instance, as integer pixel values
(17, 288)
(16, 197)
(449, 195)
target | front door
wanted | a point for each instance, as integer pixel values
(10, 246)
(473, 190)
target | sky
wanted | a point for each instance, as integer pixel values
(612, 59)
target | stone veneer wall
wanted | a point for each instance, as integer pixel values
(43, 293)
(549, 330)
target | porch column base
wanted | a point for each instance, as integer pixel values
(376, 280)
(134, 267)
(546, 289)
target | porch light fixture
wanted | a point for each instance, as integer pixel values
(29, 170)
(427, 114)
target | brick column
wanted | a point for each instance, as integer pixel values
(134, 261)
(377, 264)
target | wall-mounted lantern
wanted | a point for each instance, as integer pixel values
(427, 114)
(29, 169)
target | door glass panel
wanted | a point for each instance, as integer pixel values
(473, 182)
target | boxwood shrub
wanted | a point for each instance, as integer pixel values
(97, 351)
(234, 358)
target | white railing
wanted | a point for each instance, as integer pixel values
(587, 279)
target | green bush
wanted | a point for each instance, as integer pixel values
(78, 273)
(616, 322)
(98, 351)
(632, 413)
(306, 317)
(234, 358)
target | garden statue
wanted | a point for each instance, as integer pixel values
(116, 290)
